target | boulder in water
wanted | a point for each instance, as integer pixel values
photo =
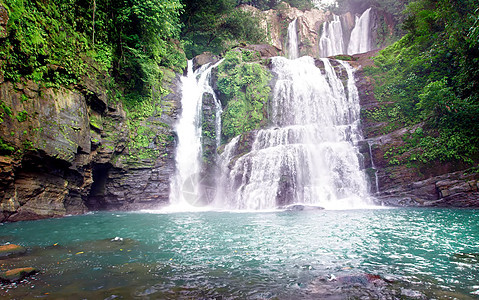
(11, 250)
(353, 286)
(17, 274)
(300, 207)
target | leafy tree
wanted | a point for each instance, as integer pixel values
(261, 4)
(217, 26)
(54, 41)
(431, 76)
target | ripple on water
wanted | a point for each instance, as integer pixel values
(280, 254)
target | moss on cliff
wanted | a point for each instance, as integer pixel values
(243, 82)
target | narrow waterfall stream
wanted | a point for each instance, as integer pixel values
(185, 185)
(308, 155)
(293, 50)
(373, 167)
(360, 40)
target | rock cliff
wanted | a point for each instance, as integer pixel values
(68, 150)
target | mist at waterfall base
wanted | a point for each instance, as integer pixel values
(420, 253)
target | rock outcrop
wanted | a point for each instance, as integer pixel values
(10, 250)
(275, 23)
(17, 274)
(438, 184)
(71, 150)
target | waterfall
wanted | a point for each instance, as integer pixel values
(293, 50)
(185, 187)
(308, 154)
(373, 166)
(360, 40)
(331, 41)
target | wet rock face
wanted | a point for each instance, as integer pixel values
(204, 59)
(71, 152)
(266, 51)
(120, 183)
(48, 174)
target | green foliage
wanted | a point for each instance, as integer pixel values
(217, 26)
(301, 4)
(393, 7)
(4, 110)
(345, 57)
(95, 122)
(429, 77)
(5, 147)
(59, 42)
(273, 4)
(142, 35)
(261, 4)
(244, 84)
(141, 141)
(424, 147)
(43, 43)
(22, 116)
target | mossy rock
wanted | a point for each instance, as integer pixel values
(3, 21)
(17, 274)
(11, 250)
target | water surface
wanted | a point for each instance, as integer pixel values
(428, 253)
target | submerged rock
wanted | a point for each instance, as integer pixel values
(470, 258)
(11, 250)
(355, 286)
(300, 207)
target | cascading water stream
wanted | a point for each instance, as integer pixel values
(360, 40)
(332, 40)
(308, 155)
(293, 50)
(373, 167)
(184, 184)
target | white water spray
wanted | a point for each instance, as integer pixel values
(308, 155)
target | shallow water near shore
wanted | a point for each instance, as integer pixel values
(415, 253)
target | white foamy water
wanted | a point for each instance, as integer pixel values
(308, 156)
